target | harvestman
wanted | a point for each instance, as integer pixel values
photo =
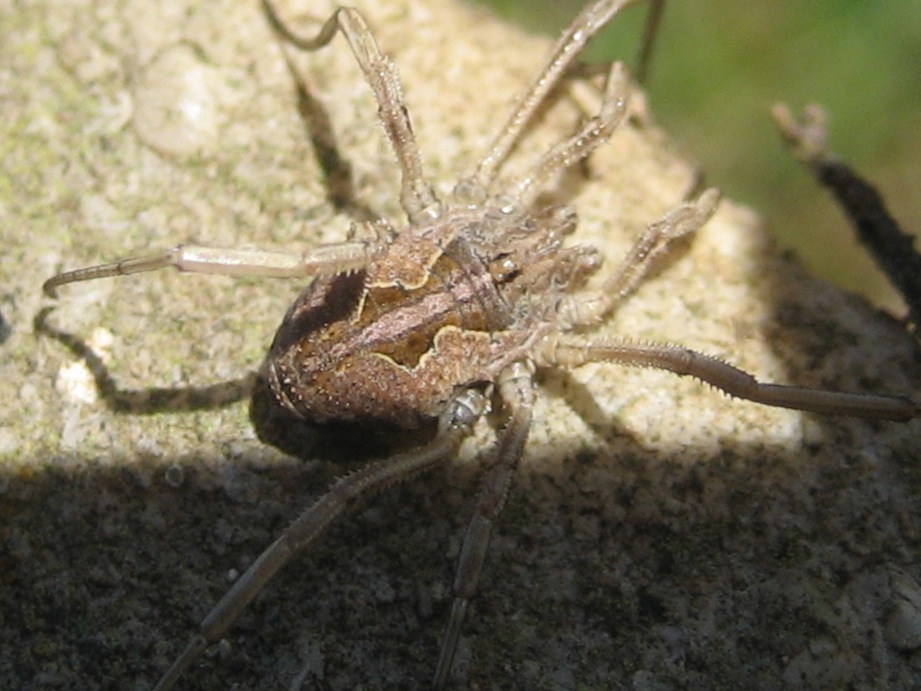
(432, 323)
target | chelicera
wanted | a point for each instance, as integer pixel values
(430, 325)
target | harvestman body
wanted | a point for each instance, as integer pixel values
(433, 323)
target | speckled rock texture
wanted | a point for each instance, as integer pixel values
(659, 536)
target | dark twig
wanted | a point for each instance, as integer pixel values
(891, 247)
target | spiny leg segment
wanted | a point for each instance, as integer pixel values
(569, 352)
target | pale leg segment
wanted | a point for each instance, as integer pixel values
(516, 390)
(455, 424)
(325, 260)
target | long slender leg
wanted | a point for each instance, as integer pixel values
(325, 260)
(455, 424)
(589, 137)
(571, 352)
(516, 389)
(590, 307)
(650, 34)
(417, 196)
(591, 20)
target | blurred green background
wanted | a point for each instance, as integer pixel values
(720, 65)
